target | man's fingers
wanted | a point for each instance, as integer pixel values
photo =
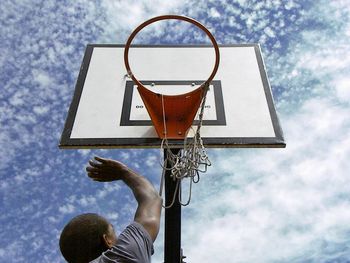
(94, 164)
(109, 162)
(91, 169)
(93, 175)
(104, 170)
(101, 160)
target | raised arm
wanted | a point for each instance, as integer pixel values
(149, 202)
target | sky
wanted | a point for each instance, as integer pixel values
(253, 205)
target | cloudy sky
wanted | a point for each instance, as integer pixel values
(253, 205)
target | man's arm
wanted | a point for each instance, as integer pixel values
(149, 202)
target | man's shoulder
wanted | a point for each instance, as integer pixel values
(136, 228)
(134, 244)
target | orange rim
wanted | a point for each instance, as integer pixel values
(168, 17)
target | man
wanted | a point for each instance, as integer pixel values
(91, 238)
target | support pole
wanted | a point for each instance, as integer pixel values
(172, 240)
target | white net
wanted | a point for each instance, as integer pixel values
(189, 162)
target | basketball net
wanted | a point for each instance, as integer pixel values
(189, 162)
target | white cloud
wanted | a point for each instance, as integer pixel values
(289, 5)
(112, 216)
(342, 87)
(123, 17)
(41, 110)
(20, 178)
(84, 152)
(87, 201)
(270, 205)
(124, 155)
(37, 244)
(152, 160)
(66, 209)
(42, 78)
(269, 32)
(11, 248)
(107, 189)
(53, 219)
(17, 99)
(242, 2)
(213, 12)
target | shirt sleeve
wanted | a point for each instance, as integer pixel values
(134, 245)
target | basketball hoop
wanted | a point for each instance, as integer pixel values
(172, 115)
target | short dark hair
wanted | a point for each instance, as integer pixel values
(81, 239)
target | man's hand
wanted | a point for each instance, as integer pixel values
(149, 202)
(106, 170)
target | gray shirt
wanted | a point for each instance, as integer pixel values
(134, 245)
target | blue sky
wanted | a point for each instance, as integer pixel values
(253, 205)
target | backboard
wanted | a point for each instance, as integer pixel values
(107, 111)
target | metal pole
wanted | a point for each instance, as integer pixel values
(172, 240)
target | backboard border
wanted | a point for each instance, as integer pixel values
(223, 142)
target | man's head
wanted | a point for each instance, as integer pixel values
(86, 237)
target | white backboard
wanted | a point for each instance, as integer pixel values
(107, 111)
